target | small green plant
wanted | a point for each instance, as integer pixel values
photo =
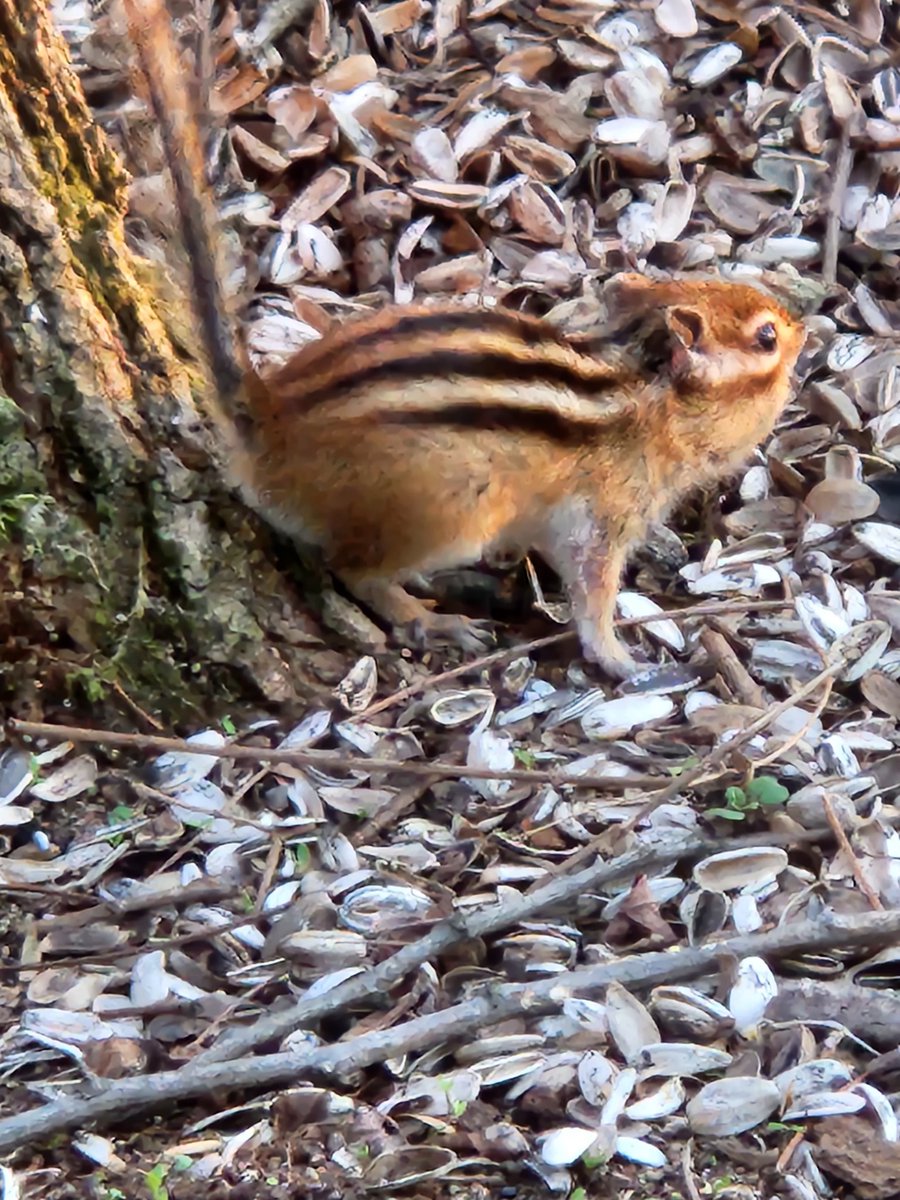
(156, 1182)
(228, 726)
(92, 682)
(302, 856)
(196, 820)
(525, 758)
(762, 792)
(593, 1162)
(12, 508)
(685, 765)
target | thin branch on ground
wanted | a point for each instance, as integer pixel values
(124, 1099)
(340, 761)
(859, 875)
(720, 753)
(730, 667)
(436, 770)
(320, 758)
(452, 931)
(554, 892)
(723, 609)
(799, 734)
(842, 168)
(693, 846)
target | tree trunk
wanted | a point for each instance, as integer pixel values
(127, 567)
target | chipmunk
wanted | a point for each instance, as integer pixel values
(420, 438)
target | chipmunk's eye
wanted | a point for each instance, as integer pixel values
(766, 337)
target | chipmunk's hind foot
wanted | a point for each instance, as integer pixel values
(432, 629)
(412, 621)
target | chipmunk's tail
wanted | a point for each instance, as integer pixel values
(150, 26)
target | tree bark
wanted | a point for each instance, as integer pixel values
(126, 566)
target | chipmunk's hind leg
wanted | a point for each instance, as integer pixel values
(589, 555)
(406, 506)
(372, 565)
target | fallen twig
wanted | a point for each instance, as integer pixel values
(552, 892)
(730, 667)
(690, 845)
(859, 875)
(319, 758)
(842, 168)
(434, 770)
(490, 919)
(123, 1099)
(724, 609)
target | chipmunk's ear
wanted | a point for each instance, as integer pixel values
(687, 324)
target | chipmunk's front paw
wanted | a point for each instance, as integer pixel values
(613, 659)
(442, 628)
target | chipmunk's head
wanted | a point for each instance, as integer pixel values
(725, 335)
(729, 334)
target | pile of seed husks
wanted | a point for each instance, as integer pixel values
(519, 154)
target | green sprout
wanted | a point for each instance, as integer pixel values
(761, 792)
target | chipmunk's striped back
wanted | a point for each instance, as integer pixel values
(417, 354)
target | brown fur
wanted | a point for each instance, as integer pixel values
(389, 477)
(422, 438)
